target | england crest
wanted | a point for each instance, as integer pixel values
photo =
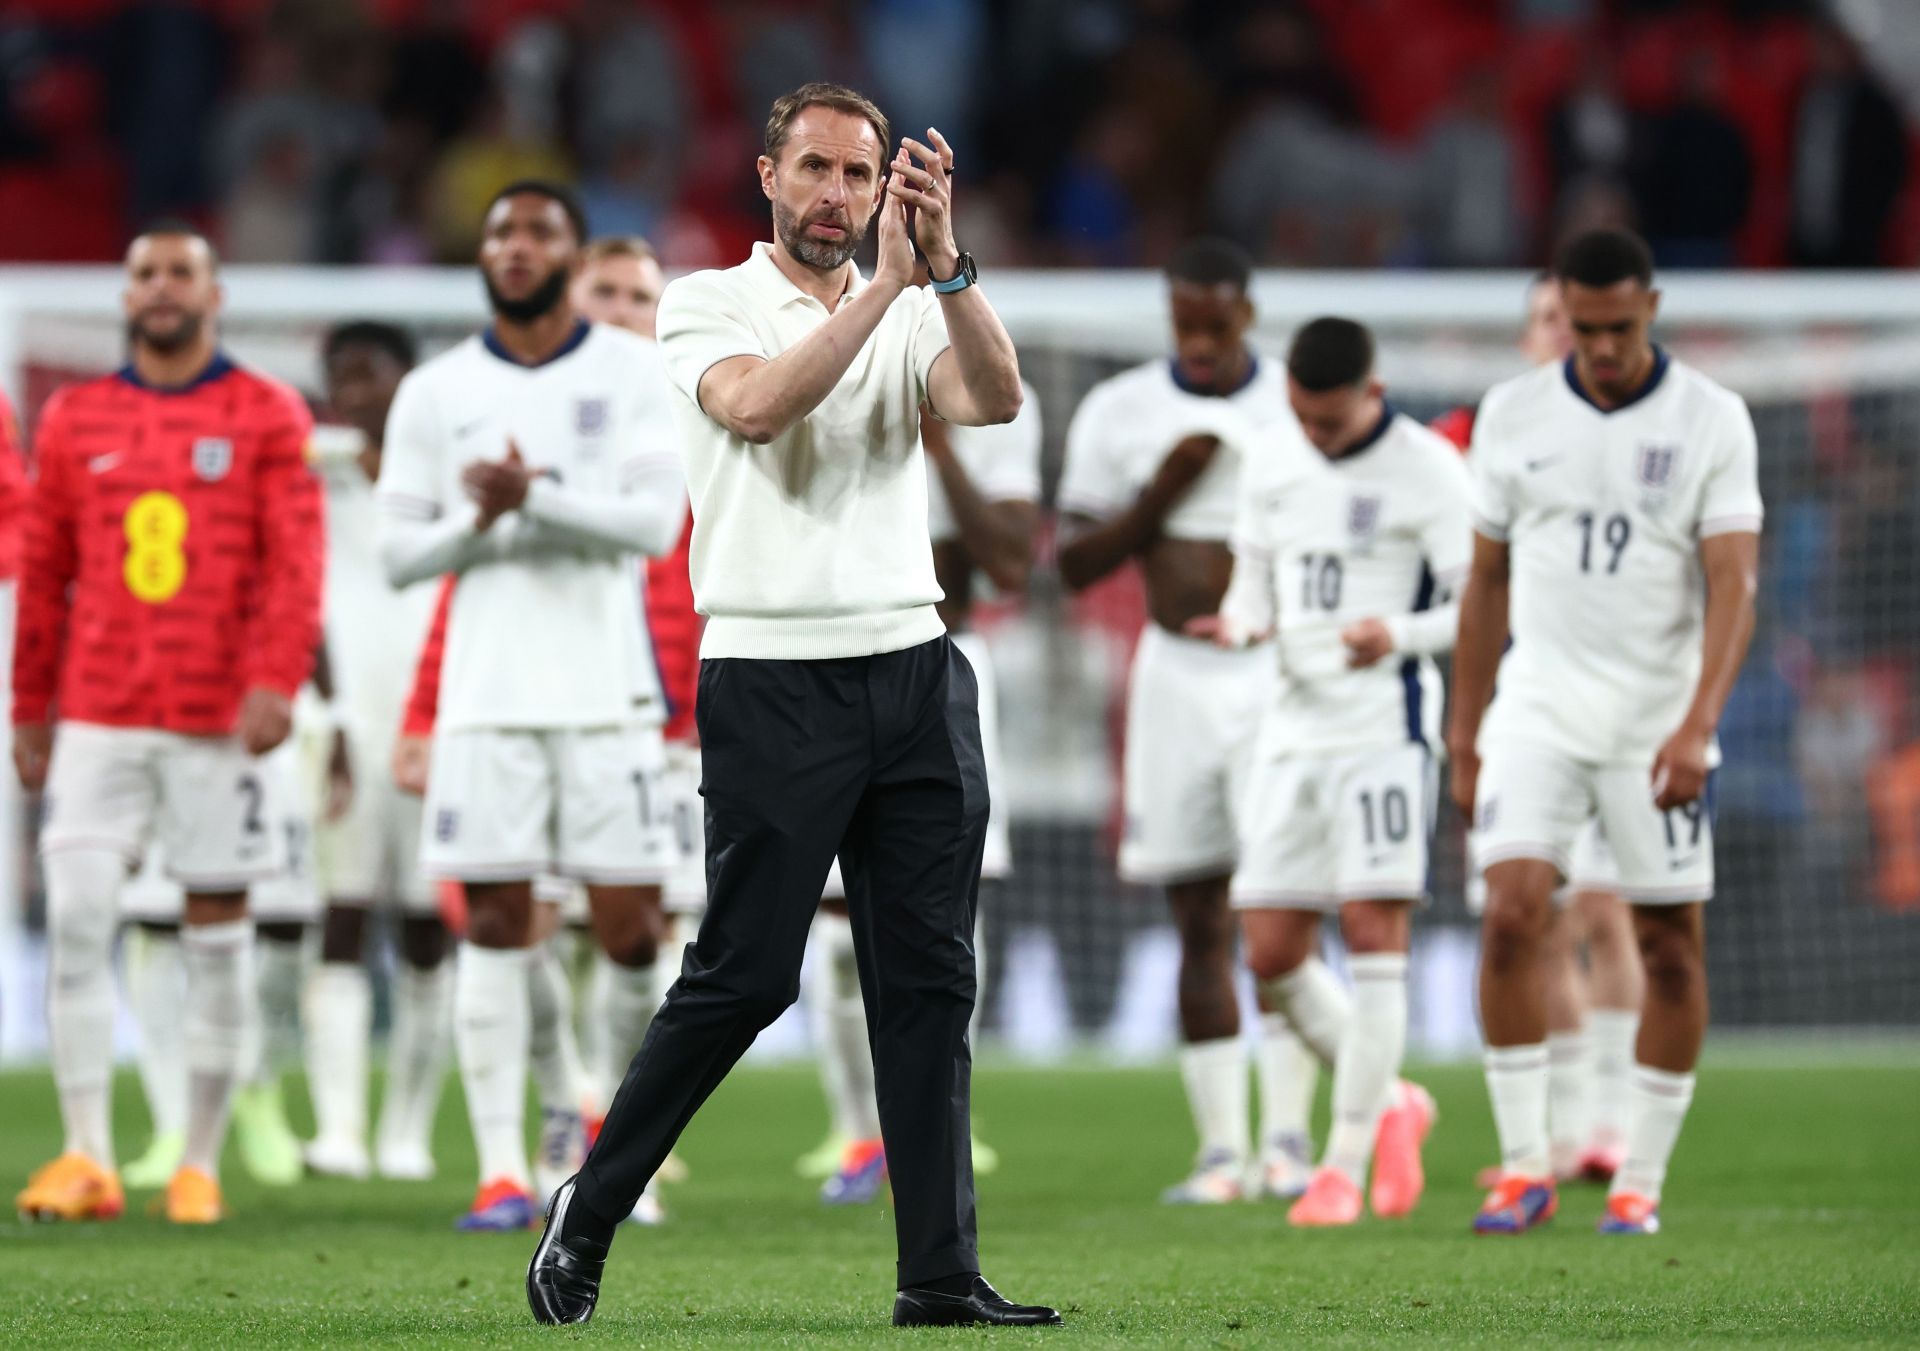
(1654, 468)
(1363, 517)
(590, 416)
(212, 458)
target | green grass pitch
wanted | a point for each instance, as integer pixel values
(1793, 1216)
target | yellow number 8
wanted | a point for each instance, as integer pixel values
(156, 566)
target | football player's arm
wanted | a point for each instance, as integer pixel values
(411, 747)
(284, 631)
(1446, 541)
(13, 474)
(995, 524)
(1729, 531)
(421, 535)
(1476, 660)
(1100, 528)
(51, 559)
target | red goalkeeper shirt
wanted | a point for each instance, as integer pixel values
(174, 553)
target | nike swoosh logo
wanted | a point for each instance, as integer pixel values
(462, 432)
(1542, 464)
(100, 464)
(1675, 865)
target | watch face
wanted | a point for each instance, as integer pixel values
(967, 268)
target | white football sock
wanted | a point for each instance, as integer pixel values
(1660, 1099)
(559, 1076)
(220, 1008)
(1517, 1084)
(1215, 1073)
(1369, 1063)
(839, 1020)
(82, 886)
(1315, 1003)
(156, 987)
(339, 1021)
(1287, 1071)
(490, 1038)
(280, 968)
(1610, 1037)
(417, 1051)
(622, 1000)
(1569, 1078)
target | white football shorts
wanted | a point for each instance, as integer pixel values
(1192, 709)
(587, 804)
(210, 806)
(1324, 829)
(1534, 803)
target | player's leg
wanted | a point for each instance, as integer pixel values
(419, 1045)
(1673, 1024)
(155, 984)
(1530, 808)
(1181, 835)
(1666, 873)
(489, 810)
(100, 802)
(837, 1013)
(1213, 1059)
(562, 1083)
(284, 908)
(222, 826)
(1285, 882)
(1616, 985)
(1568, 1057)
(338, 1013)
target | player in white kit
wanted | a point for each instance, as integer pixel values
(537, 461)
(983, 484)
(1348, 554)
(1594, 979)
(1152, 472)
(370, 856)
(1617, 513)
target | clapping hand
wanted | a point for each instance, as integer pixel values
(928, 188)
(497, 487)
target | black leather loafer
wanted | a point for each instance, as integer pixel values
(925, 1309)
(563, 1279)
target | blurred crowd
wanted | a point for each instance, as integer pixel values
(1442, 133)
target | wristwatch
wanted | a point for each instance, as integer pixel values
(960, 280)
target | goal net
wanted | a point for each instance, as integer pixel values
(1818, 919)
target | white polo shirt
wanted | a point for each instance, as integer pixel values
(814, 545)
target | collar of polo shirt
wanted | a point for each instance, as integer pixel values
(779, 288)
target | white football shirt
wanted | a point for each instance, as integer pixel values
(1003, 461)
(814, 545)
(1603, 514)
(374, 632)
(547, 628)
(1124, 428)
(1377, 533)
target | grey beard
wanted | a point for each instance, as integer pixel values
(813, 252)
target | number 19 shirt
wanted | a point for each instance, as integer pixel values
(1603, 513)
(174, 553)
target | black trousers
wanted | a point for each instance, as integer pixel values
(876, 759)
